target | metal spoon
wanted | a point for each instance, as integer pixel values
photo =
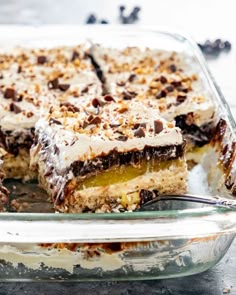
(215, 201)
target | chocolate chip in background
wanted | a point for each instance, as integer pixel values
(9, 93)
(104, 22)
(14, 108)
(53, 84)
(139, 132)
(42, 59)
(158, 126)
(63, 87)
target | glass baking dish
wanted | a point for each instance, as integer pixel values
(181, 239)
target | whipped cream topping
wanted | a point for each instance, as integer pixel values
(160, 79)
(33, 80)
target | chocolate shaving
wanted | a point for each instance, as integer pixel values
(64, 87)
(85, 124)
(139, 132)
(158, 126)
(121, 83)
(19, 97)
(75, 55)
(131, 78)
(109, 98)
(182, 89)
(170, 88)
(41, 59)
(70, 107)
(54, 121)
(90, 117)
(56, 150)
(19, 70)
(113, 125)
(176, 83)
(29, 114)
(85, 90)
(48, 172)
(95, 121)
(10, 93)
(137, 125)
(128, 95)
(163, 79)
(173, 68)
(53, 84)
(122, 138)
(97, 103)
(14, 108)
(161, 94)
(181, 98)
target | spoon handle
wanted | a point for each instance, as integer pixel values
(216, 201)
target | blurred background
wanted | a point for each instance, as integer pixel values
(203, 19)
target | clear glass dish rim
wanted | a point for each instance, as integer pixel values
(178, 214)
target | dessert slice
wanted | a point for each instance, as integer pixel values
(3, 191)
(31, 81)
(162, 80)
(107, 155)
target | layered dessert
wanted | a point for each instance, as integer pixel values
(163, 80)
(3, 190)
(32, 80)
(107, 156)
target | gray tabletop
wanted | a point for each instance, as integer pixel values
(203, 19)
